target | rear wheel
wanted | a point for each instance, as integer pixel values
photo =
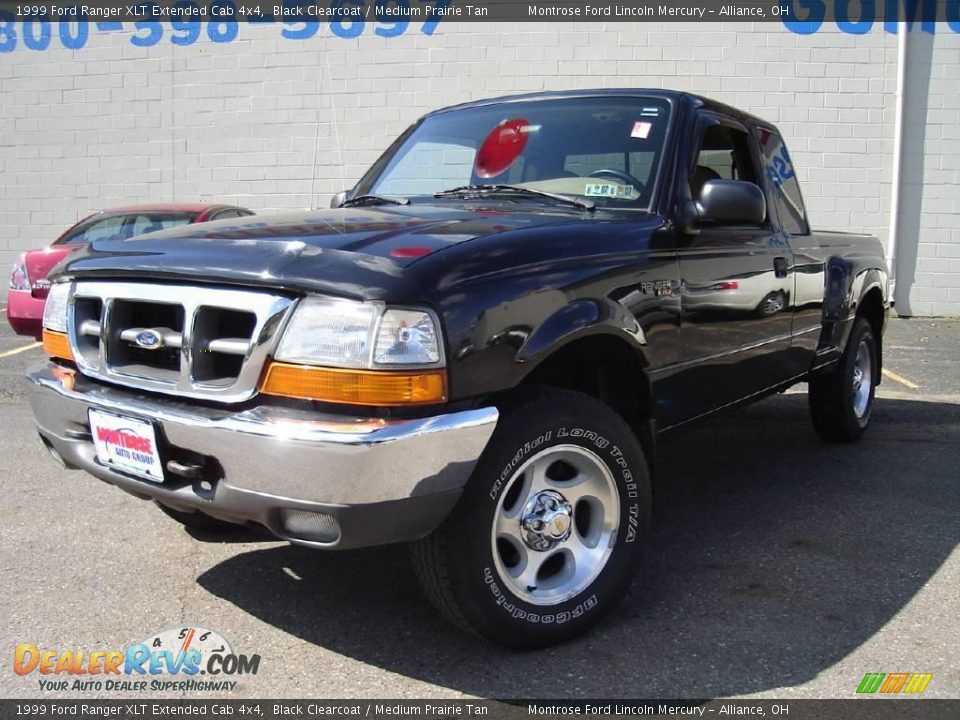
(551, 526)
(841, 401)
(199, 521)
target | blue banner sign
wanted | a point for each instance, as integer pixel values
(859, 17)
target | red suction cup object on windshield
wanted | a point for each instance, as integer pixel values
(502, 147)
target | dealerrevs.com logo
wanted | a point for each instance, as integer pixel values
(894, 683)
(177, 659)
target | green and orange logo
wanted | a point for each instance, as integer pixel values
(894, 683)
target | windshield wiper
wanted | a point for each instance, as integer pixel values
(468, 191)
(375, 200)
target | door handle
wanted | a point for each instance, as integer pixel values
(780, 267)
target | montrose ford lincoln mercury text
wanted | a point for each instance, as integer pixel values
(474, 350)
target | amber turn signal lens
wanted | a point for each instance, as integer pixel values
(355, 387)
(56, 344)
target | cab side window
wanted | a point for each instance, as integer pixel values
(724, 155)
(782, 181)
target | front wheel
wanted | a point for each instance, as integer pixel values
(551, 526)
(841, 401)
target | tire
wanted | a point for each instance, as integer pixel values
(841, 401)
(519, 511)
(199, 521)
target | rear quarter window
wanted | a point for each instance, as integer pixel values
(782, 182)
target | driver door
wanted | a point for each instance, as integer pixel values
(736, 284)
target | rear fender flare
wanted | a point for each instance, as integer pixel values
(840, 310)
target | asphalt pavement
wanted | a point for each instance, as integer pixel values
(779, 567)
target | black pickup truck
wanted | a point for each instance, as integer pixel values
(474, 350)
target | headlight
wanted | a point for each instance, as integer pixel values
(55, 311)
(406, 337)
(327, 331)
(349, 334)
(355, 353)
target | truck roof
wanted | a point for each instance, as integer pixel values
(670, 95)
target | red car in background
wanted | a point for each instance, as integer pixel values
(29, 284)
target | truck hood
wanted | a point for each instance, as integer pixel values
(357, 252)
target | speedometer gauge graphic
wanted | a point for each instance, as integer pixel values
(181, 639)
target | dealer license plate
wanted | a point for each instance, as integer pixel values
(126, 444)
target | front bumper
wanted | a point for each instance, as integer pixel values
(315, 479)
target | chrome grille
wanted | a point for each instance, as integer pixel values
(187, 340)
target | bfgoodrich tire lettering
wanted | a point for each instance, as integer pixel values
(465, 566)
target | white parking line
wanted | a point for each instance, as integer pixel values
(900, 379)
(17, 351)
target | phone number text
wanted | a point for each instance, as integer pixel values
(38, 27)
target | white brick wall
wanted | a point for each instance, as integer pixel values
(275, 124)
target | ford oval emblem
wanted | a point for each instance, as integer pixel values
(149, 340)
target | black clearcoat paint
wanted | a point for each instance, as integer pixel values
(514, 280)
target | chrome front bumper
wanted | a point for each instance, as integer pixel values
(367, 481)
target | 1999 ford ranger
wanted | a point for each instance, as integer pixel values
(474, 350)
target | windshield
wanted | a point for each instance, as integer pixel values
(604, 149)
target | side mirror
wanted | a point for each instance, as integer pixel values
(338, 199)
(731, 202)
